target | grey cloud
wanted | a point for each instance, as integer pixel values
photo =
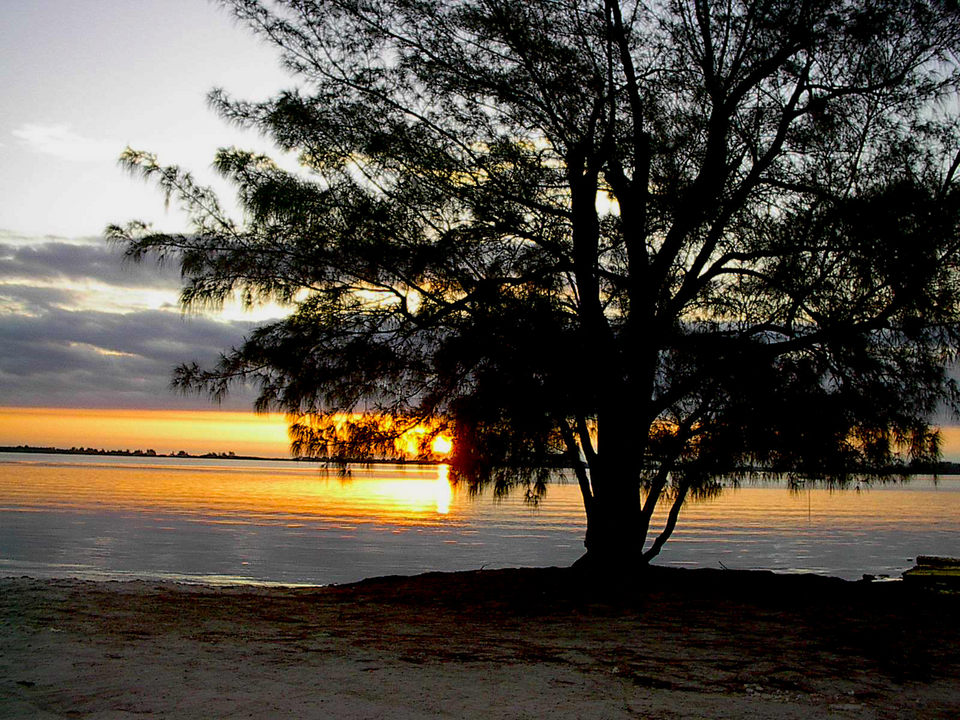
(56, 260)
(15, 238)
(36, 299)
(54, 354)
(56, 359)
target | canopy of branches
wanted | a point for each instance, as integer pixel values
(663, 238)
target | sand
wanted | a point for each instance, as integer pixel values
(489, 644)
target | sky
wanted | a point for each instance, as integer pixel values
(79, 328)
(81, 80)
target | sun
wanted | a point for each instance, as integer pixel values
(441, 445)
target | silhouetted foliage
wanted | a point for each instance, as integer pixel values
(658, 240)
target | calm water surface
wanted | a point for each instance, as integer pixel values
(285, 522)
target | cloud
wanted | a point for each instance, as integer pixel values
(9, 237)
(77, 276)
(31, 301)
(62, 142)
(79, 328)
(69, 358)
(58, 260)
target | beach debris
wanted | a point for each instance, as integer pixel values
(846, 706)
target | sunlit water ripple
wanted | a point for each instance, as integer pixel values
(284, 522)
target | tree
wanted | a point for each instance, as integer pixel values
(665, 239)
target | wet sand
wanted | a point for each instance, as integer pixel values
(493, 644)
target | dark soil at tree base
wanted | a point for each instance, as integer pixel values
(497, 643)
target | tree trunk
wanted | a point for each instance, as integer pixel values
(614, 538)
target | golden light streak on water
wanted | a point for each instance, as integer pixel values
(414, 493)
(281, 492)
(298, 522)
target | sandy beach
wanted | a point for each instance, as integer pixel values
(492, 644)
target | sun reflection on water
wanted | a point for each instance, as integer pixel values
(415, 495)
(396, 494)
(444, 489)
(300, 522)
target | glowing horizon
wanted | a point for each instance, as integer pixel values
(200, 431)
(165, 431)
(168, 431)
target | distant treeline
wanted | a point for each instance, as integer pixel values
(184, 454)
(132, 453)
(939, 468)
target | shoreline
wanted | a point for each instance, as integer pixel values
(141, 455)
(943, 467)
(492, 643)
(215, 583)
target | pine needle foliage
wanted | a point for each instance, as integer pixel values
(653, 241)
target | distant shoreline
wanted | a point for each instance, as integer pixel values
(40, 450)
(940, 468)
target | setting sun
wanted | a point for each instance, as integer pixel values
(442, 445)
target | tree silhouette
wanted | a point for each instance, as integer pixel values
(662, 240)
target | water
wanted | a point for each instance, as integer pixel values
(225, 521)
